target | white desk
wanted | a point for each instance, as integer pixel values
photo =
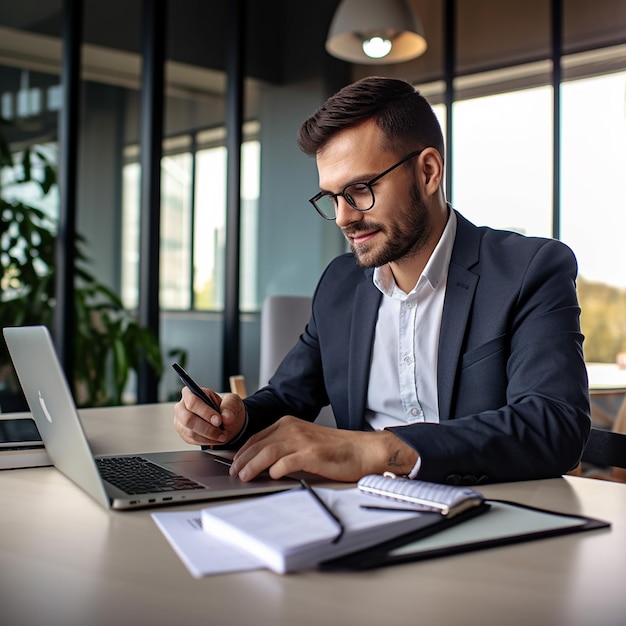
(606, 377)
(607, 390)
(66, 561)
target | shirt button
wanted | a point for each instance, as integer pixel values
(408, 360)
(414, 411)
(408, 305)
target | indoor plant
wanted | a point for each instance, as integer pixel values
(109, 343)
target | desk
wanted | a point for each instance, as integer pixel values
(606, 377)
(607, 391)
(76, 564)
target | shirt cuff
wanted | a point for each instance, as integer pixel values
(416, 468)
(241, 432)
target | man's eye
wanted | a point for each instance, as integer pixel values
(358, 188)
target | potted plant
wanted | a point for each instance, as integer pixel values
(109, 342)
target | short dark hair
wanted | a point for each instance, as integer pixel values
(401, 112)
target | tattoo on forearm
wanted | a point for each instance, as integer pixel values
(393, 459)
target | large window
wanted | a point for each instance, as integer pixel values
(503, 160)
(193, 222)
(593, 206)
(502, 170)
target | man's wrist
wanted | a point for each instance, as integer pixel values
(228, 445)
(399, 457)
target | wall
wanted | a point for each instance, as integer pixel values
(295, 244)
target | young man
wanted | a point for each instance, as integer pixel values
(448, 352)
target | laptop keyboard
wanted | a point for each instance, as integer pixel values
(134, 474)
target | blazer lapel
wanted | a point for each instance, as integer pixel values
(460, 290)
(362, 328)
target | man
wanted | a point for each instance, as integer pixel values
(448, 352)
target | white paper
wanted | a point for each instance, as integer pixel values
(202, 554)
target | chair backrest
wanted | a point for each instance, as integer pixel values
(605, 448)
(283, 319)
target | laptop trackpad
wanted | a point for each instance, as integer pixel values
(200, 468)
(207, 470)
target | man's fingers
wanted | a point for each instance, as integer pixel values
(196, 429)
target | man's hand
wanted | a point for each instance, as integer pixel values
(292, 445)
(199, 424)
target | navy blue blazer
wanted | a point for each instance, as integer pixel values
(511, 378)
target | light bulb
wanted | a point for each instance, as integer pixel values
(376, 47)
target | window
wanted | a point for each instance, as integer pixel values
(502, 158)
(502, 170)
(176, 211)
(193, 222)
(593, 206)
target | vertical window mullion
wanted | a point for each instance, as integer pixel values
(192, 222)
(557, 41)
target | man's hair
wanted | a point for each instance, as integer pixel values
(405, 117)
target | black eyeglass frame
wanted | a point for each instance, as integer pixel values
(368, 184)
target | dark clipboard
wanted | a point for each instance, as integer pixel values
(467, 532)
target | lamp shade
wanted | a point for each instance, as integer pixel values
(360, 21)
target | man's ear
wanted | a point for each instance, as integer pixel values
(430, 170)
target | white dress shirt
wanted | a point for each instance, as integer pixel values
(403, 373)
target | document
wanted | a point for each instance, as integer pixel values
(292, 530)
(309, 526)
(202, 554)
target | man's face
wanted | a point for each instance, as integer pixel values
(399, 224)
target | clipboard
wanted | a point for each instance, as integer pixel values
(504, 523)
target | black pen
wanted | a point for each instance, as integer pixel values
(326, 508)
(196, 389)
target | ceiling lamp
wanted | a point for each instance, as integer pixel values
(375, 32)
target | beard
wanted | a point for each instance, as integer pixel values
(405, 235)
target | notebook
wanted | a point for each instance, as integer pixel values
(302, 528)
(180, 476)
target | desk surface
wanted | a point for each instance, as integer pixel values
(606, 377)
(66, 561)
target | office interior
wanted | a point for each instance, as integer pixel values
(531, 96)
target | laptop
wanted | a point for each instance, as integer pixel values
(116, 482)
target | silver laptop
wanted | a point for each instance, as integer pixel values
(181, 476)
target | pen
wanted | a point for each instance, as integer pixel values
(326, 508)
(196, 389)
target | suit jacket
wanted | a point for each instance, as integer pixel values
(512, 382)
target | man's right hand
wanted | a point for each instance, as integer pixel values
(199, 424)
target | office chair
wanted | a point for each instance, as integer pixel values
(283, 319)
(605, 448)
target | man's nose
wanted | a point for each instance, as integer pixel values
(345, 213)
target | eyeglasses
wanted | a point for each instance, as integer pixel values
(359, 195)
